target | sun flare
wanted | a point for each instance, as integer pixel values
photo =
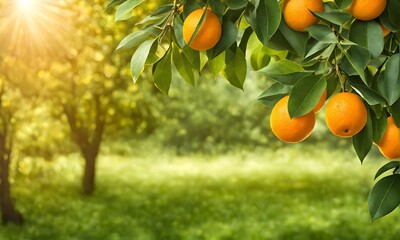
(25, 5)
(32, 28)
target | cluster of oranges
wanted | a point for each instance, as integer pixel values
(346, 114)
(298, 17)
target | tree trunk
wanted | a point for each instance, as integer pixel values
(9, 214)
(89, 173)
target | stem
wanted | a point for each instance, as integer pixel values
(342, 79)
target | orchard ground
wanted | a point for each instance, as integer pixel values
(303, 191)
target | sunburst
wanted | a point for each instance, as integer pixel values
(33, 28)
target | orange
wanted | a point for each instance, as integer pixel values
(384, 30)
(321, 102)
(345, 114)
(288, 129)
(209, 32)
(297, 13)
(367, 10)
(390, 142)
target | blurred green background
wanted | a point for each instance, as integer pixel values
(200, 163)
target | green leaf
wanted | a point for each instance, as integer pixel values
(178, 32)
(372, 97)
(387, 167)
(379, 125)
(183, 65)
(163, 9)
(114, 3)
(285, 71)
(393, 9)
(333, 85)
(124, 11)
(265, 19)
(137, 38)
(236, 70)
(342, 4)
(273, 94)
(259, 57)
(139, 59)
(236, 4)
(217, 64)
(296, 40)
(193, 57)
(163, 73)
(362, 141)
(335, 16)
(228, 37)
(396, 112)
(317, 48)
(390, 84)
(384, 196)
(368, 35)
(322, 33)
(305, 95)
(245, 39)
(358, 58)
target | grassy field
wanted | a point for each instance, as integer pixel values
(300, 192)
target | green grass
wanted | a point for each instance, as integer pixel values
(299, 192)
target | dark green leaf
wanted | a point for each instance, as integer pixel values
(285, 71)
(368, 35)
(236, 70)
(334, 16)
(228, 37)
(139, 59)
(362, 141)
(317, 48)
(342, 4)
(322, 33)
(245, 39)
(384, 196)
(296, 40)
(124, 11)
(396, 112)
(265, 19)
(236, 4)
(163, 73)
(372, 97)
(178, 33)
(273, 94)
(358, 58)
(333, 85)
(390, 84)
(305, 95)
(163, 9)
(379, 125)
(193, 57)
(387, 167)
(183, 66)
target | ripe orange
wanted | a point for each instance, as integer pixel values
(390, 142)
(384, 30)
(321, 102)
(290, 129)
(345, 114)
(297, 13)
(367, 10)
(209, 32)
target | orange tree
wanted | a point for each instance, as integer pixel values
(312, 49)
